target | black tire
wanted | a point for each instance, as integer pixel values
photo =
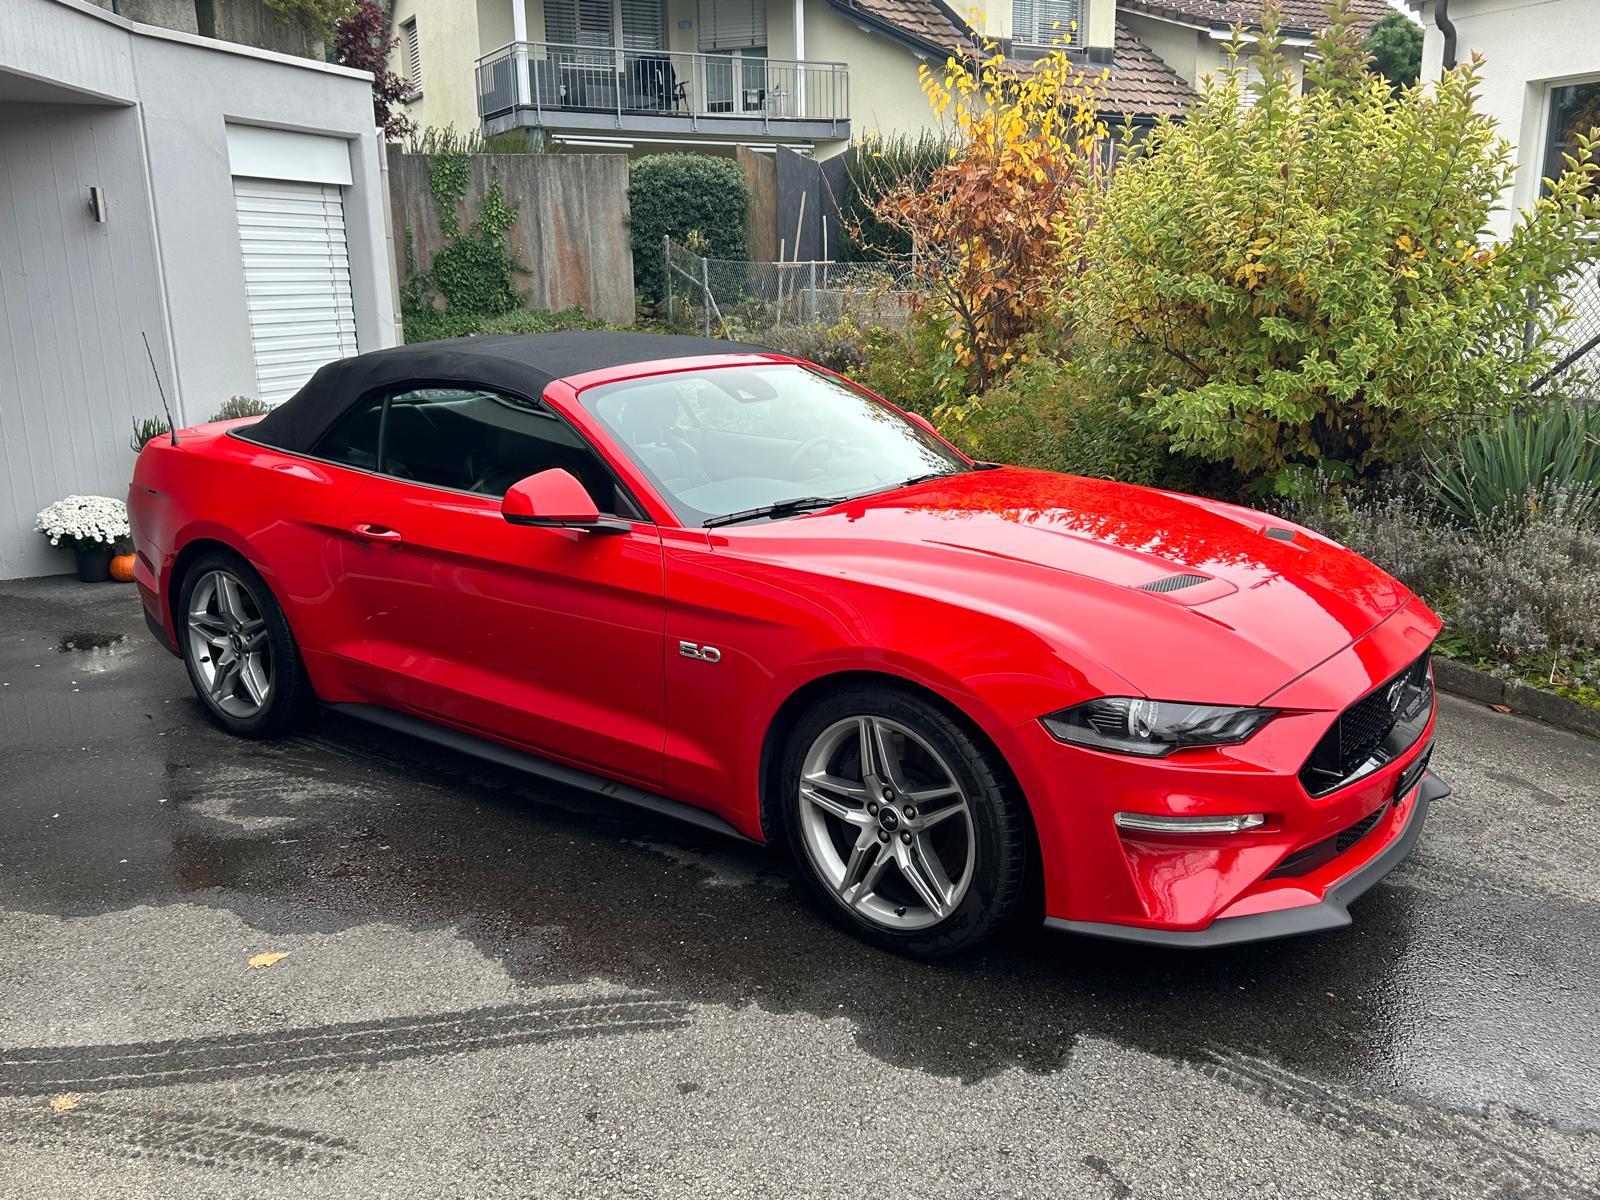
(999, 838)
(289, 703)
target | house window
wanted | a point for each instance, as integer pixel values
(1047, 22)
(733, 25)
(1574, 110)
(408, 34)
(595, 22)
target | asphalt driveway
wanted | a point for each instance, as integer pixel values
(492, 988)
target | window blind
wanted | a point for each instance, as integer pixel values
(732, 24)
(1047, 22)
(578, 22)
(413, 56)
(644, 25)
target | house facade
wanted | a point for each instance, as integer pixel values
(223, 204)
(639, 75)
(1541, 78)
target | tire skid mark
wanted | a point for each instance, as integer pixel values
(163, 1135)
(1491, 1163)
(353, 1046)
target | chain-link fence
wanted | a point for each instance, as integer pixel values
(725, 297)
(1580, 358)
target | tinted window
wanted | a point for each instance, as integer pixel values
(733, 438)
(354, 440)
(472, 441)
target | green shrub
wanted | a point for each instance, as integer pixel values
(430, 325)
(1395, 44)
(1044, 415)
(914, 367)
(1519, 593)
(427, 324)
(674, 195)
(538, 320)
(146, 429)
(235, 407)
(1300, 279)
(1487, 472)
(840, 347)
(1532, 590)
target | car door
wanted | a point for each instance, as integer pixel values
(546, 637)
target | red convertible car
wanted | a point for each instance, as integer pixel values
(719, 581)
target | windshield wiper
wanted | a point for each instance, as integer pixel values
(783, 508)
(924, 478)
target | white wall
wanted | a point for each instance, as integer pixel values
(143, 114)
(74, 297)
(1527, 45)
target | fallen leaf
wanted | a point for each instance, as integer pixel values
(65, 1102)
(1500, 708)
(266, 960)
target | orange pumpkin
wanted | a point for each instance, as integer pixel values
(122, 568)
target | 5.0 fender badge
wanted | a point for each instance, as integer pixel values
(708, 654)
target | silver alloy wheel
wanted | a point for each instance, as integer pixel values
(228, 644)
(875, 795)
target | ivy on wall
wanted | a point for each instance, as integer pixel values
(474, 269)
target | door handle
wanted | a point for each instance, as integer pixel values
(373, 532)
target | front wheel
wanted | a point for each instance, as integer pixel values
(241, 656)
(903, 823)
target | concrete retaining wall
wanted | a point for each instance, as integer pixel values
(571, 231)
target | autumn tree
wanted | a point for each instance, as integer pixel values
(361, 40)
(986, 227)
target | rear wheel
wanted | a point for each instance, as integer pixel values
(902, 822)
(241, 656)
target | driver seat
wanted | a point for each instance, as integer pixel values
(648, 421)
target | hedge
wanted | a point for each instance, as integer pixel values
(676, 195)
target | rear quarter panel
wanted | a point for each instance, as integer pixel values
(278, 511)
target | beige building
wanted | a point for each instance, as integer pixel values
(810, 74)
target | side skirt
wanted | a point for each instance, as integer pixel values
(540, 768)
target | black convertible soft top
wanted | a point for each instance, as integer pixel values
(525, 364)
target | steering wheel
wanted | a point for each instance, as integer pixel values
(810, 444)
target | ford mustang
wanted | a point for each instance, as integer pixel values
(718, 581)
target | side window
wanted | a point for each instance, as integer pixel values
(478, 441)
(354, 440)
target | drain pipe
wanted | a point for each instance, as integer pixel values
(1441, 18)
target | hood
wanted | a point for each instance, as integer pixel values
(1180, 597)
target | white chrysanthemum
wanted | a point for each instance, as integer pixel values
(84, 521)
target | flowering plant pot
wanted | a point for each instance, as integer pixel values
(94, 562)
(92, 526)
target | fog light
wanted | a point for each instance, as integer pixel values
(1146, 823)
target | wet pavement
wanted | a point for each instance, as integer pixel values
(491, 987)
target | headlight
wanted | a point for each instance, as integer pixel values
(1154, 728)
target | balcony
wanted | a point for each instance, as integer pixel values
(610, 93)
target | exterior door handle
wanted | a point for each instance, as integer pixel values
(373, 532)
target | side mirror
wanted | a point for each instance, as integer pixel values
(554, 498)
(919, 419)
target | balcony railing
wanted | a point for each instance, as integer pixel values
(549, 79)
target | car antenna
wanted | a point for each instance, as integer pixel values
(172, 426)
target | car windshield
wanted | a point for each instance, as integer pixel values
(726, 442)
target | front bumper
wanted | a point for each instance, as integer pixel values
(1202, 889)
(1331, 912)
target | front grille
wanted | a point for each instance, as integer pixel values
(1375, 730)
(1303, 862)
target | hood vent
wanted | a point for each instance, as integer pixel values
(1173, 583)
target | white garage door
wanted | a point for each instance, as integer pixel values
(297, 280)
